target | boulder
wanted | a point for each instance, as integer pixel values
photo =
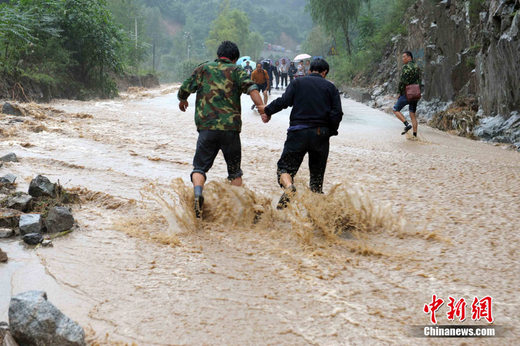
(59, 219)
(9, 109)
(20, 201)
(9, 218)
(33, 320)
(6, 233)
(8, 178)
(41, 186)
(30, 223)
(3, 256)
(11, 157)
(32, 238)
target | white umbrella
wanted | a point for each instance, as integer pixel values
(302, 57)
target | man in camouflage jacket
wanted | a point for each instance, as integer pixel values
(410, 74)
(219, 85)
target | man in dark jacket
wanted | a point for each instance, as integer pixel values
(315, 117)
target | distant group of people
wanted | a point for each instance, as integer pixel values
(315, 116)
(281, 74)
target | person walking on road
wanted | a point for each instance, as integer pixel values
(292, 72)
(284, 70)
(410, 74)
(269, 68)
(248, 68)
(276, 72)
(315, 117)
(300, 70)
(218, 85)
(261, 78)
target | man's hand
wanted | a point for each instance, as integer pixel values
(183, 105)
(265, 118)
(261, 108)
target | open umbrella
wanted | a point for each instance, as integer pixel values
(243, 60)
(287, 60)
(302, 57)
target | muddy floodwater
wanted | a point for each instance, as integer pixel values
(356, 265)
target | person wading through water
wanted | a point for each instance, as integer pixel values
(315, 117)
(410, 74)
(218, 85)
(261, 78)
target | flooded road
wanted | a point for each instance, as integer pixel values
(434, 216)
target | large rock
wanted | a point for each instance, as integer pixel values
(11, 157)
(59, 219)
(41, 186)
(8, 178)
(500, 129)
(20, 201)
(33, 320)
(9, 109)
(9, 218)
(6, 233)
(33, 238)
(30, 223)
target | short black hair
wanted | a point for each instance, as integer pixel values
(407, 52)
(319, 65)
(228, 49)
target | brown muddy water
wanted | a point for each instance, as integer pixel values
(400, 220)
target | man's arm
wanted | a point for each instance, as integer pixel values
(190, 86)
(286, 100)
(336, 113)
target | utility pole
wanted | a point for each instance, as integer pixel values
(135, 26)
(187, 37)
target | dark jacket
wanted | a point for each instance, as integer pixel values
(315, 101)
(292, 70)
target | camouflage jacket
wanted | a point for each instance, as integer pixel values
(219, 85)
(410, 74)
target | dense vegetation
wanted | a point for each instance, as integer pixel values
(360, 38)
(75, 48)
(64, 46)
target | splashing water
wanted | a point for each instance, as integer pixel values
(346, 212)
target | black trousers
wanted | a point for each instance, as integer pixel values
(313, 141)
(208, 145)
(284, 79)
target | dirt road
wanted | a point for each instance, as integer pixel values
(435, 216)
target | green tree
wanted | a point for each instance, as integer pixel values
(318, 42)
(94, 40)
(336, 15)
(233, 25)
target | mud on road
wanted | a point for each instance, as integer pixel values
(400, 220)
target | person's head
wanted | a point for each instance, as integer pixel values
(407, 57)
(247, 62)
(258, 66)
(292, 63)
(301, 62)
(277, 63)
(307, 62)
(283, 61)
(320, 66)
(228, 49)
